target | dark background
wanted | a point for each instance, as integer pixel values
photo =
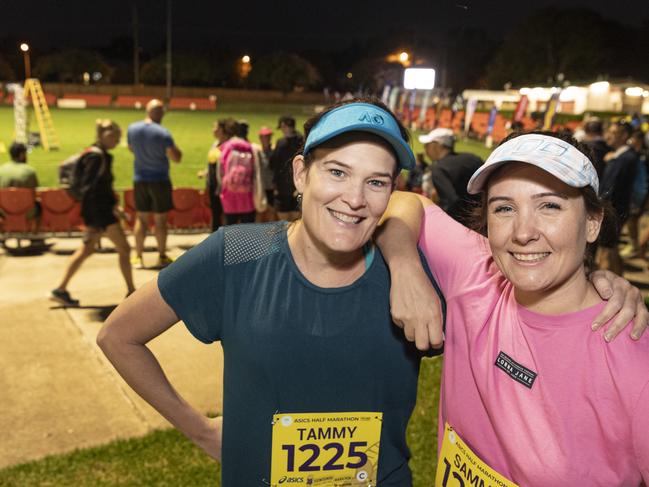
(471, 43)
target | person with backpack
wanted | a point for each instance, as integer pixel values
(237, 180)
(92, 184)
(222, 130)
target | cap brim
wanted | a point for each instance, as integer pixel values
(480, 177)
(550, 154)
(477, 182)
(425, 139)
(405, 156)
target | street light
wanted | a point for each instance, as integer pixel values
(244, 66)
(403, 57)
(24, 47)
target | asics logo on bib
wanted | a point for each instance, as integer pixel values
(367, 117)
(290, 480)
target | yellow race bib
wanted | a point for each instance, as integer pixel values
(325, 449)
(458, 466)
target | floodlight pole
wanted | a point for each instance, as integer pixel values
(168, 50)
(24, 47)
(136, 48)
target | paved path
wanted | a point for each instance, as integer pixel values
(57, 391)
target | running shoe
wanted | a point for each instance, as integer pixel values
(137, 262)
(164, 261)
(63, 297)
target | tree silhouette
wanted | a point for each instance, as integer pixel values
(576, 42)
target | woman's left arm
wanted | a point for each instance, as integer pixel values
(414, 303)
(624, 303)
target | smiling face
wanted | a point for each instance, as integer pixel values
(345, 192)
(538, 228)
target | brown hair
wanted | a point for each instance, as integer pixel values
(103, 125)
(229, 126)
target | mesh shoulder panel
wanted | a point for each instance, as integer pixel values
(248, 242)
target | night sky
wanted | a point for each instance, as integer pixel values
(289, 24)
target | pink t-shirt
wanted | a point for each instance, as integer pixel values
(582, 420)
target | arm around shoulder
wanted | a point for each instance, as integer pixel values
(399, 228)
(414, 303)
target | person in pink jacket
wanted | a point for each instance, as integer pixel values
(529, 395)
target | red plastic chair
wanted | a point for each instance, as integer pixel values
(185, 200)
(129, 207)
(61, 212)
(15, 204)
(203, 214)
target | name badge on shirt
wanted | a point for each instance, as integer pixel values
(459, 466)
(325, 449)
(516, 371)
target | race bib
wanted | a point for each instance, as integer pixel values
(458, 466)
(325, 449)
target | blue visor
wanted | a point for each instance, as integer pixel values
(363, 117)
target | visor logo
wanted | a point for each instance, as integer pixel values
(375, 119)
(533, 145)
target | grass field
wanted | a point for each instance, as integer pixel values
(192, 132)
(165, 458)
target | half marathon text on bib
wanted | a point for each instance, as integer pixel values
(326, 449)
(458, 466)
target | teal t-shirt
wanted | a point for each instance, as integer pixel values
(292, 347)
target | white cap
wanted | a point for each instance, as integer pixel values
(442, 136)
(558, 157)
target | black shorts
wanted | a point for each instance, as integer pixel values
(97, 218)
(153, 196)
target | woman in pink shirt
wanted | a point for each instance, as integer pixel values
(530, 396)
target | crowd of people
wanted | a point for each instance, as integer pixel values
(498, 272)
(619, 154)
(320, 351)
(249, 181)
(245, 181)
